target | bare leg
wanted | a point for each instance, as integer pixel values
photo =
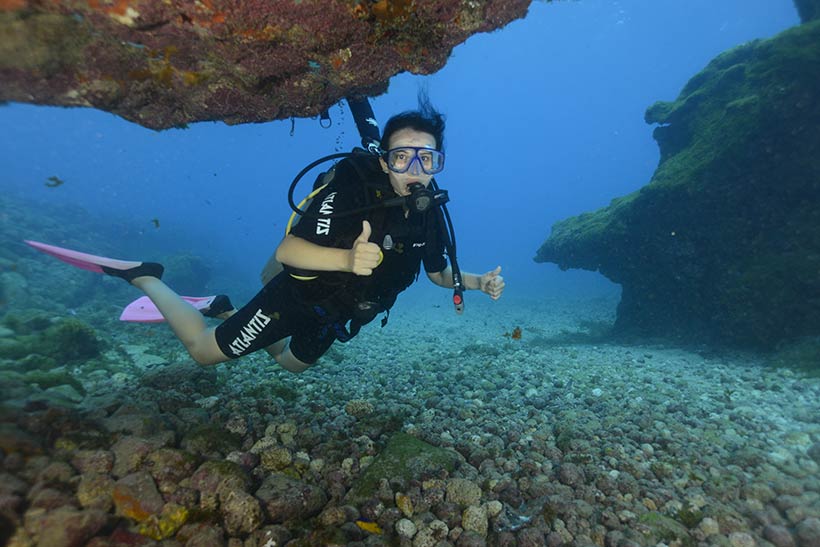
(185, 320)
(200, 341)
(281, 352)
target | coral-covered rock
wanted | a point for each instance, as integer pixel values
(166, 524)
(405, 457)
(65, 527)
(129, 453)
(170, 464)
(216, 479)
(201, 534)
(475, 519)
(136, 497)
(271, 535)
(211, 442)
(722, 244)
(96, 492)
(11, 484)
(807, 532)
(165, 64)
(122, 536)
(285, 498)
(463, 492)
(138, 422)
(93, 461)
(808, 9)
(70, 339)
(49, 499)
(13, 440)
(241, 513)
(276, 458)
(56, 473)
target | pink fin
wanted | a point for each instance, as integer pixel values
(92, 263)
(142, 310)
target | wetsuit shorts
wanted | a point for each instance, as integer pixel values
(273, 314)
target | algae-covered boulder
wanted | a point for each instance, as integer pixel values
(43, 341)
(659, 528)
(404, 458)
(808, 10)
(723, 244)
(71, 339)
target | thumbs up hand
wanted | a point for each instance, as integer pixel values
(364, 255)
(492, 283)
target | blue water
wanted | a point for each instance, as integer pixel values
(545, 121)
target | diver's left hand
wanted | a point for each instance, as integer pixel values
(492, 283)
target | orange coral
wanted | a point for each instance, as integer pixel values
(388, 10)
(115, 7)
(128, 506)
(12, 5)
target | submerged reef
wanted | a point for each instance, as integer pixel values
(166, 64)
(808, 9)
(723, 244)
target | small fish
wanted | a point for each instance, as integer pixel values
(155, 221)
(515, 335)
(54, 182)
(370, 527)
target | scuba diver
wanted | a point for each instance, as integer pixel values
(376, 217)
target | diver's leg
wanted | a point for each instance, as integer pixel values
(281, 352)
(309, 341)
(277, 347)
(185, 320)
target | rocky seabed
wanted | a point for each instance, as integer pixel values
(559, 444)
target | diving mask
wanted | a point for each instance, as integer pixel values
(401, 160)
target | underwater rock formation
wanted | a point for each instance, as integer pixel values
(166, 64)
(723, 244)
(808, 10)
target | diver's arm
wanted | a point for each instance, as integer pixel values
(444, 278)
(300, 253)
(304, 255)
(491, 282)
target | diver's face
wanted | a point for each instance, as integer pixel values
(402, 181)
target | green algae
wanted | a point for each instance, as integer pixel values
(208, 439)
(37, 336)
(729, 222)
(808, 9)
(690, 517)
(662, 528)
(802, 355)
(90, 439)
(404, 457)
(71, 339)
(53, 378)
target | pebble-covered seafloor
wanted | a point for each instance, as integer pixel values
(564, 439)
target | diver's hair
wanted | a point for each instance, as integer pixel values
(426, 119)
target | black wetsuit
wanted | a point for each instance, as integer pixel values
(316, 308)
